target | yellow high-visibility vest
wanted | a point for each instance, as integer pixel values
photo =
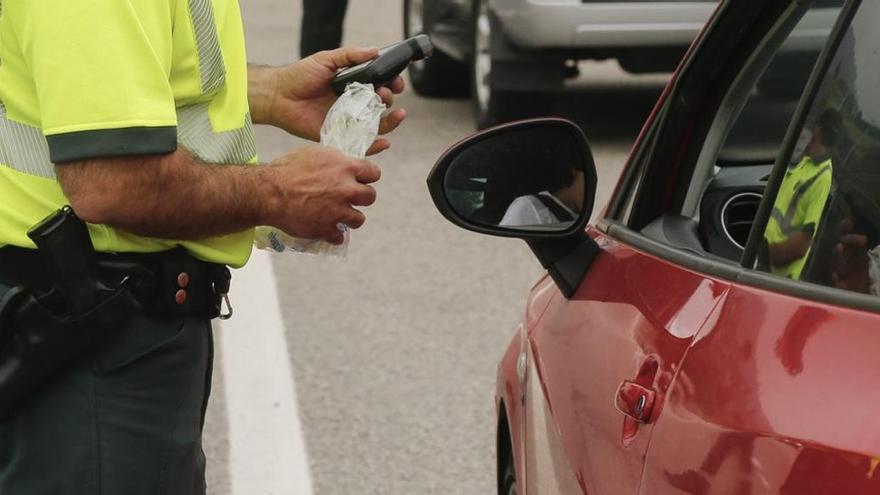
(800, 202)
(102, 78)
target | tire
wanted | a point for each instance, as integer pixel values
(508, 480)
(439, 75)
(493, 105)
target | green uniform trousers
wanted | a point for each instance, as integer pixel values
(125, 420)
(321, 25)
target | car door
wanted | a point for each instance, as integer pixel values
(619, 338)
(608, 356)
(777, 394)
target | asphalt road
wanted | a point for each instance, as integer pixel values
(394, 349)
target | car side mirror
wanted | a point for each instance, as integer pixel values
(534, 180)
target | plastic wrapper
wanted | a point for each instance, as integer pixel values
(352, 123)
(351, 126)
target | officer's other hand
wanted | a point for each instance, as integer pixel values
(303, 94)
(849, 260)
(318, 188)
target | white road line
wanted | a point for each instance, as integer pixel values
(267, 452)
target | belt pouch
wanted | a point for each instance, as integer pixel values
(35, 343)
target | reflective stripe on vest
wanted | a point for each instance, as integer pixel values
(23, 148)
(194, 133)
(211, 67)
(786, 221)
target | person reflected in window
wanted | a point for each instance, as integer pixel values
(801, 201)
(560, 202)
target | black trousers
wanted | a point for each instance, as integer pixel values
(321, 25)
(126, 419)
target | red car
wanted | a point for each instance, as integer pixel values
(716, 331)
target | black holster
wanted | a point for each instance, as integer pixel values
(36, 342)
(69, 298)
(42, 332)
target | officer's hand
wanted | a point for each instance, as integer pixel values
(304, 96)
(318, 188)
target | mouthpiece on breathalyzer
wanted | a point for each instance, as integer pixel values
(390, 62)
(424, 46)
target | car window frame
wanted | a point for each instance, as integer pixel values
(732, 104)
(626, 191)
(696, 96)
(670, 106)
(616, 226)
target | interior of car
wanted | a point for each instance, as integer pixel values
(743, 142)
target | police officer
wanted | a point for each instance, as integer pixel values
(801, 200)
(321, 25)
(139, 115)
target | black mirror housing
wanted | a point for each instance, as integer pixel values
(524, 156)
(460, 186)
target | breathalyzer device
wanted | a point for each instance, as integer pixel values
(387, 65)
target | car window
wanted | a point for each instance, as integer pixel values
(759, 129)
(825, 222)
(744, 138)
(729, 203)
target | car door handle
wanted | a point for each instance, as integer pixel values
(635, 401)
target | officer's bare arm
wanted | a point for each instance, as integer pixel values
(305, 193)
(262, 90)
(791, 249)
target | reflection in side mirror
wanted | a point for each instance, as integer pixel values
(533, 179)
(529, 179)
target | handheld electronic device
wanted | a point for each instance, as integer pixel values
(387, 65)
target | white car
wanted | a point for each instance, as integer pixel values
(498, 49)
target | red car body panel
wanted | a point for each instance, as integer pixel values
(620, 325)
(511, 390)
(776, 395)
(546, 466)
(757, 392)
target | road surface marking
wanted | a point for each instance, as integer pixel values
(267, 452)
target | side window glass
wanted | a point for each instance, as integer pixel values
(725, 190)
(729, 203)
(759, 129)
(825, 223)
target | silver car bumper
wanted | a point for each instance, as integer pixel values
(574, 24)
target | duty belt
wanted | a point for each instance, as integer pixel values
(66, 298)
(165, 283)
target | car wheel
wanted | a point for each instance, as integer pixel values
(508, 481)
(492, 104)
(439, 75)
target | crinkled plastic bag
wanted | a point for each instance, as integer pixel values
(351, 126)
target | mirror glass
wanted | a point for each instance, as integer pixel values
(523, 178)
